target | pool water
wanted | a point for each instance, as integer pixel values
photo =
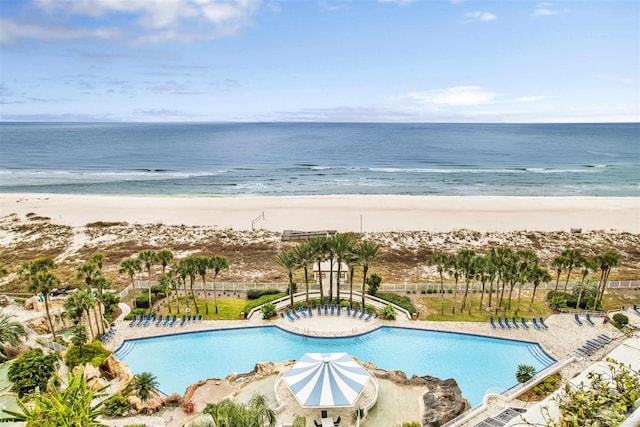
(477, 363)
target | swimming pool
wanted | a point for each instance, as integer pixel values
(477, 363)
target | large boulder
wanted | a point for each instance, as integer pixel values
(152, 406)
(173, 400)
(120, 371)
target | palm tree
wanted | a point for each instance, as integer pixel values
(144, 385)
(606, 262)
(130, 266)
(80, 335)
(454, 270)
(481, 265)
(101, 283)
(188, 267)
(588, 286)
(538, 275)
(558, 263)
(11, 332)
(43, 282)
(342, 246)
(148, 258)
(218, 263)
(72, 405)
(304, 257)
(527, 262)
(441, 261)
(465, 263)
(287, 261)
(318, 248)
(164, 257)
(88, 272)
(501, 258)
(80, 302)
(202, 264)
(98, 260)
(165, 282)
(573, 258)
(352, 263)
(366, 253)
(330, 255)
(525, 373)
(228, 413)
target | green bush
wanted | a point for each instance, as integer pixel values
(400, 300)
(388, 313)
(138, 312)
(81, 354)
(18, 300)
(300, 421)
(537, 391)
(257, 293)
(409, 424)
(268, 311)
(143, 300)
(116, 406)
(32, 370)
(620, 319)
(265, 298)
(548, 387)
(373, 282)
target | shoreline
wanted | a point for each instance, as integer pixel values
(344, 213)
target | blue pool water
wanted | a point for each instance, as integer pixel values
(477, 363)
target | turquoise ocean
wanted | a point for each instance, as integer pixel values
(321, 158)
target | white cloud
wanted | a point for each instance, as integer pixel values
(164, 20)
(453, 96)
(626, 81)
(532, 98)
(545, 9)
(480, 16)
(11, 31)
(400, 2)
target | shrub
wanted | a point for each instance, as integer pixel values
(620, 319)
(388, 313)
(116, 406)
(80, 335)
(374, 283)
(265, 298)
(81, 354)
(18, 300)
(409, 424)
(268, 311)
(137, 311)
(257, 293)
(32, 370)
(143, 300)
(300, 421)
(400, 300)
(110, 300)
(537, 391)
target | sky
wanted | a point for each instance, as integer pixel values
(506, 61)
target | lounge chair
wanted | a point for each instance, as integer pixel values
(134, 319)
(337, 422)
(535, 323)
(506, 322)
(289, 316)
(301, 310)
(141, 320)
(541, 322)
(515, 322)
(366, 319)
(355, 311)
(184, 319)
(500, 323)
(146, 322)
(524, 323)
(492, 323)
(604, 337)
(348, 310)
(310, 311)
(159, 321)
(578, 321)
(636, 309)
(338, 309)
(319, 310)
(282, 315)
(326, 309)
(293, 311)
(376, 316)
(333, 309)
(167, 320)
(199, 316)
(592, 342)
(362, 313)
(590, 321)
(174, 319)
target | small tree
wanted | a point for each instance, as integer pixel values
(32, 371)
(524, 373)
(145, 385)
(80, 335)
(620, 319)
(373, 282)
(268, 311)
(388, 313)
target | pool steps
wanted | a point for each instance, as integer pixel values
(541, 356)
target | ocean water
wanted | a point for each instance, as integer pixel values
(321, 158)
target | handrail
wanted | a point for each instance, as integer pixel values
(256, 219)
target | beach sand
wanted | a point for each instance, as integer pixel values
(355, 213)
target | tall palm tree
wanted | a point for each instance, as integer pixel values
(304, 257)
(177, 277)
(342, 247)
(164, 257)
(165, 282)
(287, 261)
(202, 264)
(527, 260)
(218, 263)
(367, 253)
(330, 256)
(228, 413)
(455, 271)
(441, 261)
(586, 266)
(558, 263)
(590, 287)
(482, 270)
(607, 261)
(352, 263)
(88, 272)
(538, 275)
(148, 258)
(43, 282)
(145, 385)
(318, 247)
(465, 262)
(130, 266)
(188, 267)
(501, 258)
(573, 258)
(101, 283)
(11, 332)
(82, 301)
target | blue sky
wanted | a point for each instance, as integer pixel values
(324, 60)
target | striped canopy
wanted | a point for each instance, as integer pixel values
(324, 380)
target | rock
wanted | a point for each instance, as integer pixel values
(39, 325)
(119, 370)
(96, 384)
(90, 372)
(135, 403)
(264, 369)
(173, 400)
(32, 303)
(152, 406)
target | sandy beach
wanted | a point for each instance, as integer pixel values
(367, 213)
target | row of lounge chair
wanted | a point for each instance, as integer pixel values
(579, 322)
(593, 345)
(329, 310)
(108, 335)
(513, 324)
(160, 321)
